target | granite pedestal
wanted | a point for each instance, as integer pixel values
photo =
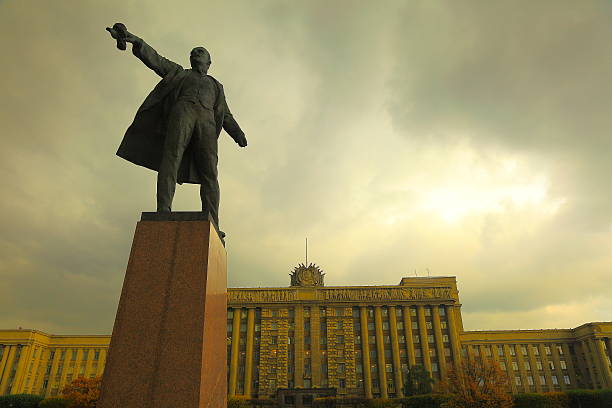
(168, 347)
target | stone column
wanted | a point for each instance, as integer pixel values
(453, 334)
(547, 372)
(424, 339)
(509, 369)
(397, 367)
(557, 362)
(521, 363)
(315, 345)
(248, 366)
(408, 331)
(380, 350)
(604, 368)
(299, 346)
(7, 367)
(571, 370)
(439, 342)
(235, 352)
(589, 363)
(534, 368)
(365, 350)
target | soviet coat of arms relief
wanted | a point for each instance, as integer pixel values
(310, 275)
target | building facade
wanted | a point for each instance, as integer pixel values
(355, 340)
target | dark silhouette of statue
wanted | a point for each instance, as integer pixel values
(175, 130)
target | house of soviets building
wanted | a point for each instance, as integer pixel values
(352, 340)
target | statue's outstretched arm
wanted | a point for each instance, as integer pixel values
(162, 66)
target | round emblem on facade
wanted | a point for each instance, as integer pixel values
(310, 275)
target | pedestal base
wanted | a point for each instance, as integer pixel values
(168, 343)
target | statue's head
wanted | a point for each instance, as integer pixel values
(200, 58)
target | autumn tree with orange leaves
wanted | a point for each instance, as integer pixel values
(82, 392)
(477, 384)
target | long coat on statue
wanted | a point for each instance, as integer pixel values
(143, 142)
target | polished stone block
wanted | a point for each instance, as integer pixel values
(168, 344)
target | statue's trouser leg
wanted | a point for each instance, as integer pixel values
(205, 145)
(181, 123)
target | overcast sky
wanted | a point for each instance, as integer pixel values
(467, 138)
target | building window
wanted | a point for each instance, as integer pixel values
(432, 352)
(339, 339)
(517, 380)
(257, 327)
(430, 338)
(96, 355)
(387, 339)
(339, 324)
(385, 311)
(427, 311)
(341, 383)
(551, 365)
(554, 380)
(539, 365)
(428, 325)
(542, 380)
(415, 325)
(514, 366)
(275, 313)
(274, 339)
(400, 325)
(443, 325)
(371, 339)
(401, 339)
(339, 311)
(322, 340)
(307, 311)
(566, 379)
(530, 380)
(417, 352)
(434, 367)
(413, 311)
(447, 352)
(536, 351)
(563, 365)
(488, 351)
(500, 350)
(527, 366)
(370, 312)
(524, 350)
(502, 364)
(416, 339)
(512, 350)
(370, 326)
(274, 326)
(341, 368)
(398, 311)
(385, 325)
(388, 368)
(547, 350)
(560, 350)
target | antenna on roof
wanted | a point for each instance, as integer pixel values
(306, 251)
(415, 274)
(428, 273)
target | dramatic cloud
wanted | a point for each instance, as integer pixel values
(468, 139)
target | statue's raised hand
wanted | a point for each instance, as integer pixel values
(120, 33)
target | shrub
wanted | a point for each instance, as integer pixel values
(237, 402)
(590, 398)
(424, 401)
(20, 401)
(53, 402)
(382, 403)
(546, 400)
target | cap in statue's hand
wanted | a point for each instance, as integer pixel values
(118, 32)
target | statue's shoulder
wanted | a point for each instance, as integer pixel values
(216, 81)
